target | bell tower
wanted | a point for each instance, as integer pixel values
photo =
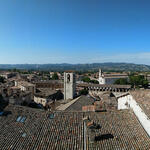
(69, 85)
(101, 77)
(100, 73)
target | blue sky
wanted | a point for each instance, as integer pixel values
(74, 31)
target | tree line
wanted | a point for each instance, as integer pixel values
(136, 81)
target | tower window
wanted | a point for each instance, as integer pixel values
(68, 77)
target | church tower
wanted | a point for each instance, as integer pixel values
(100, 73)
(69, 85)
(101, 77)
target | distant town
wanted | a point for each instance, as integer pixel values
(74, 74)
(74, 109)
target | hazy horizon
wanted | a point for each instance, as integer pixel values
(74, 63)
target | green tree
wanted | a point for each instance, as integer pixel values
(55, 76)
(2, 79)
(138, 81)
(83, 92)
(135, 81)
(86, 79)
(121, 81)
(145, 83)
(94, 81)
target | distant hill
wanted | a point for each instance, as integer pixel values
(80, 67)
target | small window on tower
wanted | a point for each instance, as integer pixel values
(68, 78)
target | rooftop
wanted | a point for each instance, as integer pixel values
(49, 81)
(41, 130)
(26, 128)
(82, 101)
(26, 84)
(115, 75)
(142, 97)
(45, 92)
(119, 130)
(104, 85)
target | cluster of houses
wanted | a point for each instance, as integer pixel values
(20, 89)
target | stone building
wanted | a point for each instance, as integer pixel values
(110, 78)
(45, 96)
(69, 85)
(51, 84)
(20, 97)
(25, 86)
(106, 102)
(7, 75)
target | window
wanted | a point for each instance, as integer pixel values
(21, 119)
(18, 119)
(51, 116)
(1, 113)
(24, 135)
(68, 77)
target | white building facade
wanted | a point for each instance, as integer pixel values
(101, 77)
(109, 78)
